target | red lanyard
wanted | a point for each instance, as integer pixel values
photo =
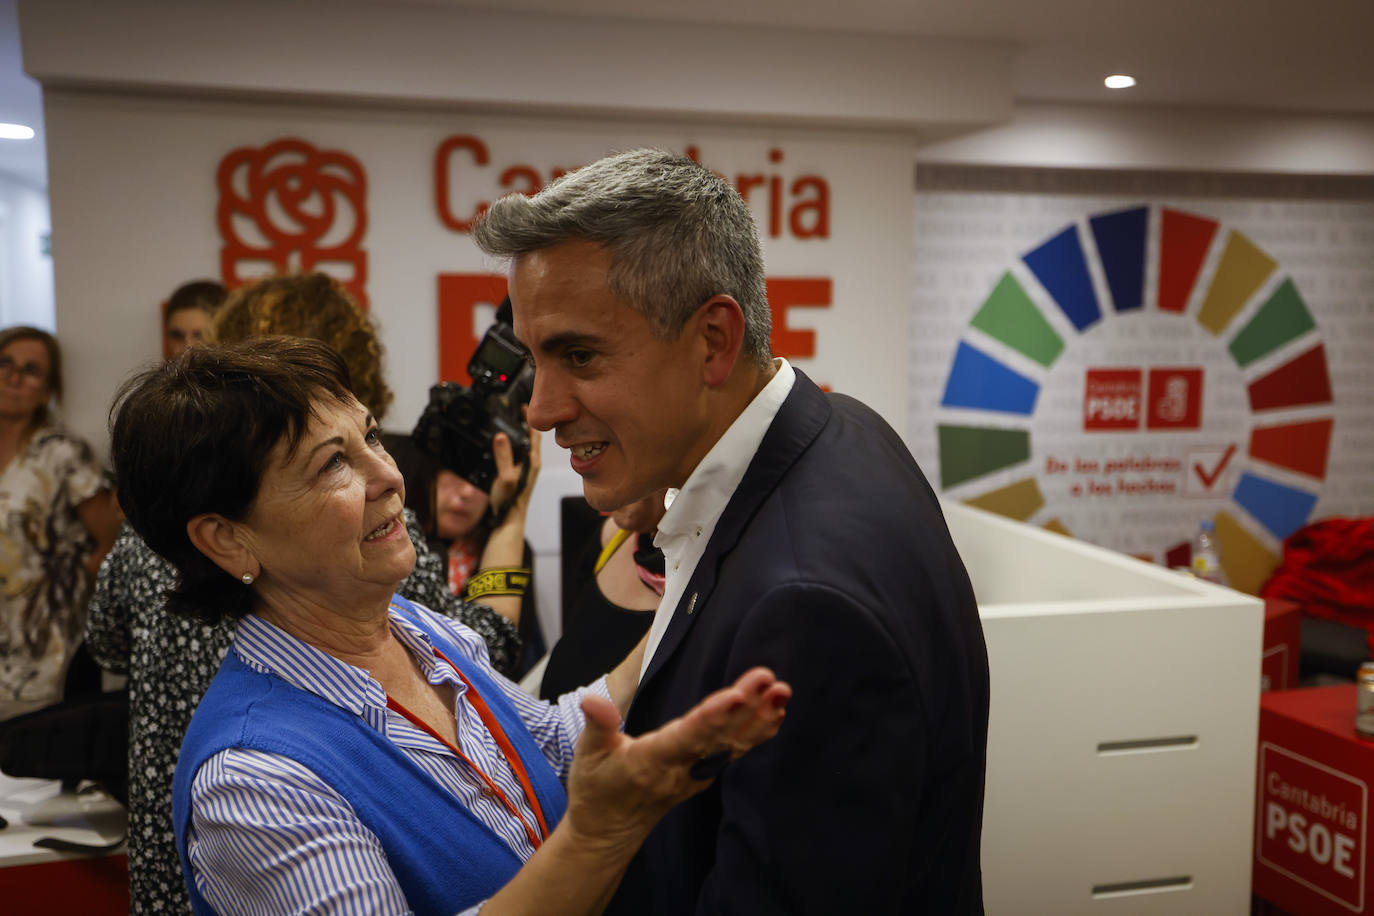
(507, 750)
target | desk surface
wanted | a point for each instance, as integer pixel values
(39, 808)
(1329, 709)
(1277, 607)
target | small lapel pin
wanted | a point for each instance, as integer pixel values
(692, 604)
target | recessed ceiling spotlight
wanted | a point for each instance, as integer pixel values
(1119, 81)
(15, 132)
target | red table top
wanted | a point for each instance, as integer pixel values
(1329, 709)
(1277, 607)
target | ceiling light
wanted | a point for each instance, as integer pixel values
(1119, 81)
(15, 132)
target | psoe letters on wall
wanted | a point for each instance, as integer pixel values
(799, 208)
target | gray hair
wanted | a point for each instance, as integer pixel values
(677, 234)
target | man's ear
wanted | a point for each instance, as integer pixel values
(217, 538)
(722, 328)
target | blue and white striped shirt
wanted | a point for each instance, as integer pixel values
(268, 836)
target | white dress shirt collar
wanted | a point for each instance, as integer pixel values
(693, 511)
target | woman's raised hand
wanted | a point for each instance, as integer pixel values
(620, 786)
(507, 480)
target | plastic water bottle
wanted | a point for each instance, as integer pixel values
(1206, 559)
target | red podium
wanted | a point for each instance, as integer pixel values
(1312, 840)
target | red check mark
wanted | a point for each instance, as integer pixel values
(1209, 479)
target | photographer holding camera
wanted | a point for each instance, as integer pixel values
(469, 468)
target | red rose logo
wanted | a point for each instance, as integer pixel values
(290, 207)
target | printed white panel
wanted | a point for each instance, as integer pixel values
(1122, 368)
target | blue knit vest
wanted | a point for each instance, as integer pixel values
(444, 859)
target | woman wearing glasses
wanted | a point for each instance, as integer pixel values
(58, 518)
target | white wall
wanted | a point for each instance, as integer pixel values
(26, 272)
(134, 198)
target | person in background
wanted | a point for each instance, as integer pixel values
(611, 588)
(58, 518)
(169, 659)
(356, 752)
(802, 537)
(476, 534)
(317, 306)
(187, 315)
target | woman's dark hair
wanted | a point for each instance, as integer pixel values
(24, 332)
(194, 435)
(206, 295)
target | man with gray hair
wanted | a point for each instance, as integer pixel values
(800, 535)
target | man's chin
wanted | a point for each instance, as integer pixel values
(603, 499)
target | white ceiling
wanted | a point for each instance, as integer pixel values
(1283, 55)
(1295, 55)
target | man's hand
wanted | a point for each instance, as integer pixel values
(620, 786)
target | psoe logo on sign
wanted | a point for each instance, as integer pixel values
(1175, 399)
(1312, 825)
(1112, 399)
(290, 206)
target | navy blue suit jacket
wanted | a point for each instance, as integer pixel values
(833, 566)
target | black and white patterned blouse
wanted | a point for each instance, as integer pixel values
(170, 660)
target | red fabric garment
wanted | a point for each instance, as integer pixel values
(1328, 568)
(462, 561)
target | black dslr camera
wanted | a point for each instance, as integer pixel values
(459, 423)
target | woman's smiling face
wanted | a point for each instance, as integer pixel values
(25, 382)
(326, 526)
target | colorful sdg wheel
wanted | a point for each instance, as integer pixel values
(1137, 372)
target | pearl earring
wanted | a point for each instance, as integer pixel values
(247, 578)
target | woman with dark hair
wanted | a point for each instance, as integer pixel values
(356, 752)
(187, 314)
(58, 519)
(170, 659)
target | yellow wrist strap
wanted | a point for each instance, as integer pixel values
(513, 581)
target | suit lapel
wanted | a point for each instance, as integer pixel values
(798, 421)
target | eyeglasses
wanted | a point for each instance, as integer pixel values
(31, 372)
